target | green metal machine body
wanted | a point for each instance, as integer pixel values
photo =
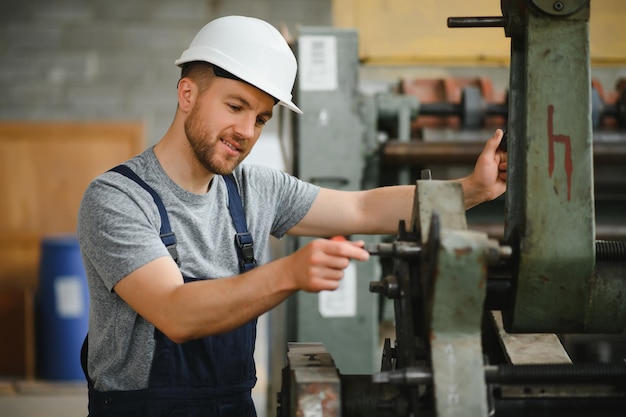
(550, 215)
(549, 274)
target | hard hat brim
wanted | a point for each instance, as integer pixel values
(189, 56)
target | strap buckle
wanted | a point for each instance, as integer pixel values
(169, 240)
(246, 250)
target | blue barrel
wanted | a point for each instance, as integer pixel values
(62, 309)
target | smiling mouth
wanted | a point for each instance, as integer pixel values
(230, 146)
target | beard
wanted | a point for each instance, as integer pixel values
(207, 148)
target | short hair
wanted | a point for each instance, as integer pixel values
(200, 72)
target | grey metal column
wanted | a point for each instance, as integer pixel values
(331, 153)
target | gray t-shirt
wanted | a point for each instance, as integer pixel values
(118, 231)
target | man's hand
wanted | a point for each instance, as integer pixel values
(488, 180)
(320, 264)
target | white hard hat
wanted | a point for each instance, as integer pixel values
(252, 50)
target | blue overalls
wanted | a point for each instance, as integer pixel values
(212, 376)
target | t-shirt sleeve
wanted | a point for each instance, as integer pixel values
(118, 228)
(288, 197)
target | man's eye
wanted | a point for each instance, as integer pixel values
(261, 122)
(234, 107)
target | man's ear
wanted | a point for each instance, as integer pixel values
(187, 94)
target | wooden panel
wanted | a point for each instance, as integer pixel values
(19, 255)
(44, 171)
(409, 31)
(17, 327)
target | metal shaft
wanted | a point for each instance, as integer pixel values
(590, 373)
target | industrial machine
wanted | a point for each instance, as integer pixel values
(477, 316)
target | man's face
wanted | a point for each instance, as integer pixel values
(225, 123)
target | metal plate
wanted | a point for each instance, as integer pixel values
(560, 7)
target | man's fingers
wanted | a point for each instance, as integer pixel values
(493, 142)
(352, 250)
(323, 262)
(336, 254)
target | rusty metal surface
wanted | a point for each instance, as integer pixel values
(418, 152)
(454, 275)
(458, 293)
(315, 383)
(443, 197)
(550, 202)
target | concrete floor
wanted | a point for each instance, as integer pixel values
(44, 399)
(38, 399)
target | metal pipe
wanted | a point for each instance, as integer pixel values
(419, 152)
(587, 373)
(395, 249)
(477, 22)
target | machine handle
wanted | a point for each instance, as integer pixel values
(477, 22)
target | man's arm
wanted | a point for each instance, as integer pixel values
(378, 211)
(207, 307)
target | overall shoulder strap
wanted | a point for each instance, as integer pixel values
(167, 236)
(243, 239)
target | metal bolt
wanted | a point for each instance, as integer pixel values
(558, 6)
(377, 287)
(496, 253)
(387, 287)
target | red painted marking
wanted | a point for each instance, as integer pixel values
(552, 138)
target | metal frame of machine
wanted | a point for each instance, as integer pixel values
(449, 284)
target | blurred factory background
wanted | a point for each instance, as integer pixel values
(389, 90)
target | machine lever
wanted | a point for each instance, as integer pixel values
(477, 22)
(388, 250)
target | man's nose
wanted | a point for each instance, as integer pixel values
(246, 127)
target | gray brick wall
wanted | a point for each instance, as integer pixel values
(99, 60)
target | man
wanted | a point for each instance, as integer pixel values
(172, 331)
